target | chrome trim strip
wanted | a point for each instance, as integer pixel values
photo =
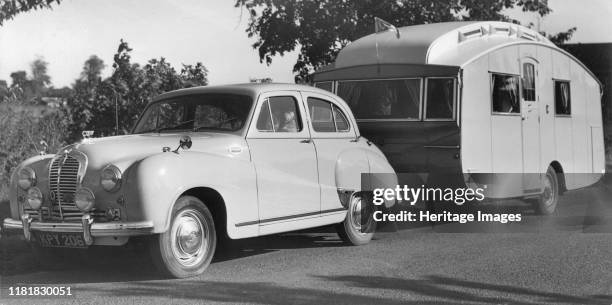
(442, 146)
(320, 213)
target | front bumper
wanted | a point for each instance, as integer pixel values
(88, 227)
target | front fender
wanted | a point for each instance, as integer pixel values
(156, 182)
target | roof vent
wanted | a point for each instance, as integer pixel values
(470, 34)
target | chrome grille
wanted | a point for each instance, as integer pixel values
(63, 182)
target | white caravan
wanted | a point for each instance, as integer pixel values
(476, 98)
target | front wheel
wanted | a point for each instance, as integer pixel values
(187, 247)
(548, 200)
(359, 226)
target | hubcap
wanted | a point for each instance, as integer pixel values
(189, 238)
(548, 196)
(355, 213)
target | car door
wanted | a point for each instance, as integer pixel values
(333, 137)
(284, 157)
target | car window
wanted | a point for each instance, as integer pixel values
(279, 114)
(326, 117)
(321, 115)
(341, 121)
(197, 112)
(505, 95)
(264, 122)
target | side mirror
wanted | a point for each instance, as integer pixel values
(184, 143)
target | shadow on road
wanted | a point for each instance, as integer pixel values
(458, 290)
(371, 290)
(133, 263)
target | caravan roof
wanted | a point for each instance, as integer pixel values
(448, 43)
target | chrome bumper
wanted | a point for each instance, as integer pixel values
(88, 227)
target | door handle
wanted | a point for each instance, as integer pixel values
(547, 109)
(306, 141)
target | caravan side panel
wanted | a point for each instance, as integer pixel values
(563, 124)
(475, 118)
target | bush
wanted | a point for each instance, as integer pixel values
(23, 127)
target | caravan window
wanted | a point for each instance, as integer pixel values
(325, 86)
(440, 100)
(563, 105)
(383, 99)
(505, 95)
(529, 91)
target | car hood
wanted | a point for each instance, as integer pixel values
(124, 150)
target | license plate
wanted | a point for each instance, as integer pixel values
(61, 240)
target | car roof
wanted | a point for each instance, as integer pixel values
(251, 89)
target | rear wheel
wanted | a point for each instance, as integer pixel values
(546, 203)
(358, 228)
(187, 247)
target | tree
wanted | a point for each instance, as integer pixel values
(40, 79)
(322, 28)
(96, 104)
(92, 69)
(10, 8)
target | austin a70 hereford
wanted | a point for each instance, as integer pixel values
(202, 163)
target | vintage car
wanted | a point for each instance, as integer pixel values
(204, 163)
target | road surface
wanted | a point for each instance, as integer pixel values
(564, 259)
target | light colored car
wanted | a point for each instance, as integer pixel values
(202, 163)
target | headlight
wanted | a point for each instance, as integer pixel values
(35, 198)
(110, 178)
(27, 178)
(84, 199)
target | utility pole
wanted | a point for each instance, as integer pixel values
(116, 115)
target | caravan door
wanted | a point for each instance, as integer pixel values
(530, 123)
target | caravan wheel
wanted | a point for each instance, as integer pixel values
(547, 201)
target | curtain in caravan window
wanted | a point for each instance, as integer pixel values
(529, 92)
(563, 104)
(382, 99)
(505, 95)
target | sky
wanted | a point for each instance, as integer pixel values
(190, 31)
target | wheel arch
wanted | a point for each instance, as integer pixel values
(215, 204)
(560, 175)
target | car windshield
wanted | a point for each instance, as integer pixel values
(202, 112)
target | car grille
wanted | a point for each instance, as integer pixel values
(63, 182)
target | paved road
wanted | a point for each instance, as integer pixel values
(566, 259)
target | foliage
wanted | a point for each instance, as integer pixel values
(321, 28)
(562, 37)
(97, 104)
(10, 8)
(23, 128)
(28, 88)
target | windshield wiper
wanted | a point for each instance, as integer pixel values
(175, 127)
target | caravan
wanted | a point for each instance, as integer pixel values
(475, 99)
